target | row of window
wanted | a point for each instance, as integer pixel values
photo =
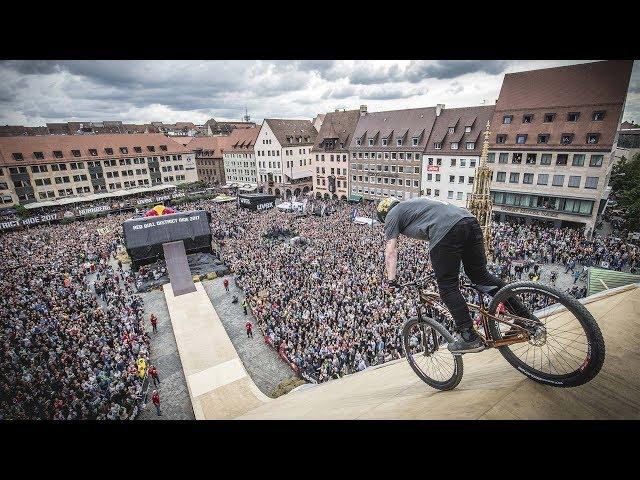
(320, 158)
(380, 192)
(596, 116)
(450, 193)
(578, 159)
(565, 138)
(385, 142)
(543, 202)
(386, 168)
(452, 178)
(454, 145)
(339, 183)
(320, 170)
(543, 179)
(387, 155)
(93, 152)
(386, 180)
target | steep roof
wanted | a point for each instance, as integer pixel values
(243, 138)
(393, 124)
(283, 128)
(459, 118)
(595, 83)
(340, 125)
(47, 144)
(215, 145)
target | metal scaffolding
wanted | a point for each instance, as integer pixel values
(479, 203)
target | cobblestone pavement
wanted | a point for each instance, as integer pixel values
(262, 362)
(563, 281)
(175, 402)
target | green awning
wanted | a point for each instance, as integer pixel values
(355, 198)
(599, 279)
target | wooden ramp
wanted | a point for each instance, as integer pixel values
(490, 389)
(179, 272)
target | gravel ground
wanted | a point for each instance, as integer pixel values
(262, 362)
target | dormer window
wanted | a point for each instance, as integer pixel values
(108, 151)
(506, 119)
(399, 142)
(358, 142)
(501, 138)
(163, 148)
(57, 153)
(598, 116)
(151, 148)
(471, 145)
(549, 117)
(93, 152)
(573, 116)
(75, 153)
(371, 142)
(451, 130)
(415, 141)
(592, 137)
(454, 145)
(124, 150)
(385, 142)
(467, 129)
(437, 146)
(527, 118)
(137, 149)
(543, 138)
(566, 138)
(39, 155)
(521, 139)
(17, 156)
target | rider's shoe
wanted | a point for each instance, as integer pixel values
(467, 341)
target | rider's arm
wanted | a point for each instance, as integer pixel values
(391, 258)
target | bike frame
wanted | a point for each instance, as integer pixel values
(429, 299)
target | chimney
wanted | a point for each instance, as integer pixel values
(439, 108)
(337, 109)
(363, 110)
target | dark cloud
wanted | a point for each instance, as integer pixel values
(420, 70)
(369, 74)
(387, 93)
(32, 67)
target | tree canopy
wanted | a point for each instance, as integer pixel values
(625, 186)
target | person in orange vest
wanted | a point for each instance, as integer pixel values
(155, 398)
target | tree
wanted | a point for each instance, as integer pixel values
(625, 186)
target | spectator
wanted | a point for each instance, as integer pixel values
(153, 372)
(154, 323)
(226, 285)
(249, 327)
(155, 398)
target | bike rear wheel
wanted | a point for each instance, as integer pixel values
(567, 348)
(425, 346)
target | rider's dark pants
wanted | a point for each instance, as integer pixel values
(463, 243)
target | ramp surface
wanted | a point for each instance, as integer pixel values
(218, 383)
(179, 273)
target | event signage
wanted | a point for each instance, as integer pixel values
(433, 168)
(101, 208)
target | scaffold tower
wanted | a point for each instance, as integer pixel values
(479, 202)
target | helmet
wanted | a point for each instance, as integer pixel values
(385, 205)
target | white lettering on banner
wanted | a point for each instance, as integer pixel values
(178, 195)
(264, 206)
(5, 225)
(526, 211)
(168, 221)
(102, 208)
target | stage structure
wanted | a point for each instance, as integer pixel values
(479, 202)
(256, 201)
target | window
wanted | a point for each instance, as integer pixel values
(137, 149)
(596, 160)
(543, 138)
(454, 145)
(18, 156)
(591, 182)
(545, 159)
(507, 119)
(384, 142)
(108, 151)
(517, 158)
(558, 180)
(514, 177)
(359, 142)
(124, 150)
(438, 177)
(521, 139)
(543, 179)
(467, 129)
(399, 142)
(437, 146)
(415, 141)
(574, 181)
(548, 117)
(93, 152)
(527, 178)
(453, 162)
(501, 138)
(461, 179)
(38, 155)
(463, 162)
(163, 148)
(503, 158)
(459, 196)
(578, 160)
(75, 153)
(472, 163)
(531, 158)
(471, 145)
(450, 194)
(562, 159)
(151, 148)
(452, 178)
(371, 142)
(527, 118)
(598, 116)
(491, 158)
(436, 193)
(573, 116)
(592, 137)
(501, 177)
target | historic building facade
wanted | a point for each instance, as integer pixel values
(239, 158)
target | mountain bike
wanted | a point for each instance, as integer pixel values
(559, 345)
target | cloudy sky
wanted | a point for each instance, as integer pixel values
(36, 92)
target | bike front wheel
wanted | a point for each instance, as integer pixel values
(425, 346)
(566, 348)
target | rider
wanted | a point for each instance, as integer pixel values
(455, 236)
